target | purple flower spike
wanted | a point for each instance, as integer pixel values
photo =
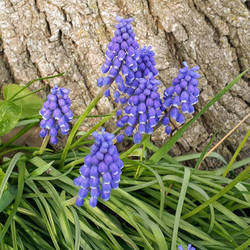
(189, 247)
(143, 110)
(101, 171)
(121, 55)
(182, 95)
(56, 114)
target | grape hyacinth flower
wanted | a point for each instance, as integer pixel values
(143, 111)
(146, 62)
(101, 170)
(189, 247)
(181, 96)
(125, 62)
(121, 55)
(145, 67)
(56, 114)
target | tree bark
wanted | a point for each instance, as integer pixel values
(45, 37)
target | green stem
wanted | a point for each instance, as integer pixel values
(236, 153)
(99, 124)
(70, 202)
(137, 173)
(43, 146)
(78, 124)
(73, 163)
(21, 148)
(31, 82)
(134, 147)
(32, 93)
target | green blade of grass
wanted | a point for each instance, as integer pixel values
(84, 227)
(77, 229)
(230, 215)
(243, 189)
(45, 212)
(179, 207)
(40, 170)
(7, 197)
(21, 171)
(60, 210)
(9, 171)
(28, 121)
(236, 165)
(134, 147)
(22, 148)
(244, 245)
(197, 156)
(141, 232)
(105, 223)
(157, 232)
(162, 188)
(20, 242)
(13, 234)
(33, 237)
(244, 174)
(169, 144)
(197, 165)
(236, 153)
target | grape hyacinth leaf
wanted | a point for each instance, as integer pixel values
(29, 102)
(1, 175)
(7, 197)
(9, 116)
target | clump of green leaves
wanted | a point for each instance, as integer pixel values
(160, 204)
(19, 103)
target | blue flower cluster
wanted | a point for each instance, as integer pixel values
(56, 114)
(146, 62)
(101, 170)
(143, 111)
(145, 68)
(189, 247)
(133, 69)
(121, 56)
(181, 96)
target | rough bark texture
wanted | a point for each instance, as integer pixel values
(44, 37)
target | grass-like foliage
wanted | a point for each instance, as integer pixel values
(160, 204)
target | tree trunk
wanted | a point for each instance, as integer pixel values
(45, 37)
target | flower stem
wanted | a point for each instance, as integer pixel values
(43, 146)
(31, 82)
(99, 124)
(78, 124)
